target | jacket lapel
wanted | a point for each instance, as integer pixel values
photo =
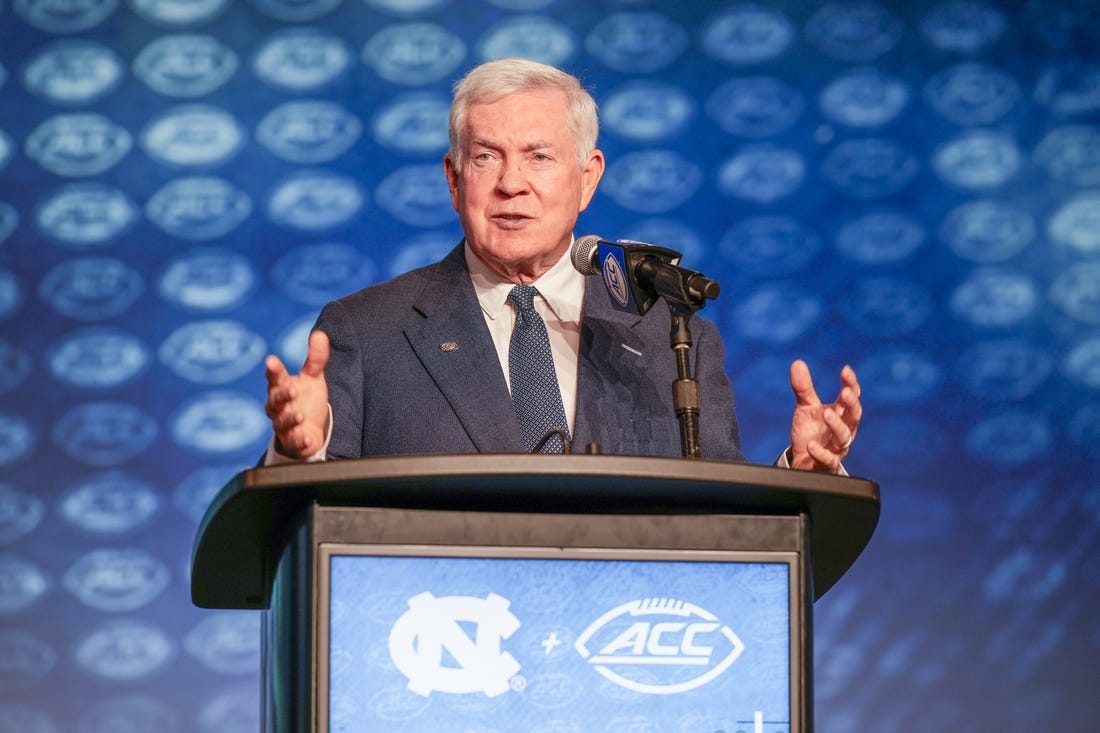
(454, 345)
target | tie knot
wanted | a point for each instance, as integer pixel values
(523, 297)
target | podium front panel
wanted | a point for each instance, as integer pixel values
(435, 620)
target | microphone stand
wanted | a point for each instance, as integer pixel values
(685, 292)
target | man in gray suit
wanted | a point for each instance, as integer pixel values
(423, 363)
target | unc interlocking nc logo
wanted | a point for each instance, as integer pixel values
(431, 625)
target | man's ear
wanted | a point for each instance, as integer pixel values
(451, 173)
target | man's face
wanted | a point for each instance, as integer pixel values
(520, 187)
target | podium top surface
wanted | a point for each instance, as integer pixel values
(239, 540)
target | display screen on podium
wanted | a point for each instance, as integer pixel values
(551, 640)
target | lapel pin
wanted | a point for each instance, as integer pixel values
(448, 346)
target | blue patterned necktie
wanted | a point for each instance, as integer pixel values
(535, 392)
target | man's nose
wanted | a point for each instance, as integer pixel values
(513, 178)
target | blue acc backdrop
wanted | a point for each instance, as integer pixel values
(911, 187)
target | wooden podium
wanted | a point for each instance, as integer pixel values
(350, 560)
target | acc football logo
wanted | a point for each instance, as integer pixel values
(124, 650)
(178, 12)
(308, 132)
(964, 27)
(104, 433)
(415, 123)
(864, 97)
(78, 144)
(870, 168)
(193, 135)
(416, 195)
(880, 237)
(659, 633)
(971, 94)
(977, 159)
(762, 173)
(207, 280)
(219, 422)
(1076, 223)
(97, 357)
(185, 65)
(110, 504)
(748, 34)
(85, 214)
(637, 42)
(73, 72)
(122, 579)
(433, 625)
(530, 36)
(647, 110)
(652, 181)
(988, 231)
(64, 16)
(757, 106)
(198, 208)
(301, 59)
(770, 245)
(91, 288)
(615, 280)
(854, 31)
(414, 53)
(212, 352)
(315, 200)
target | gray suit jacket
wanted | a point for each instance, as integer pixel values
(396, 389)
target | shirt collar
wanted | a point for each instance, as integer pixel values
(562, 286)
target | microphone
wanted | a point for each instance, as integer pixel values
(636, 274)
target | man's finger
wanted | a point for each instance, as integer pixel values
(318, 354)
(803, 384)
(274, 369)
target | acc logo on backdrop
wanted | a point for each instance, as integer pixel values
(963, 27)
(91, 288)
(413, 123)
(1069, 89)
(64, 16)
(212, 352)
(1010, 439)
(870, 168)
(864, 97)
(78, 144)
(296, 11)
(901, 375)
(1076, 223)
(416, 195)
(198, 207)
(178, 12)
(317, 273)
(124, 650)
(762, 173)
(977, 159)
(301, 59)
(1071, 154)
(308, 132)
(880, 237)
(104, 433)
(770, 245)
(756, 106)
(1004, 369)
(226, 642)
(219, 422)
(185, 65)
(99, 357)
(1076, 291)
(777, 313)
(659, 634)
(432, 626)
(886, 306)
(747, 34)
(652, 181)
(20, 512)
(987, 231)
(315, 200)
(531, 37)
(638, 42)
(996, 298)
(11, 294)
(647, 110)
(23, 583)
(193, 135)
(855, 31)
(73, 72)
(112, 580)
(85, 214)
(971, 94)
(207, 279)
(1082, 363)
(414, 53)
(110, 503)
